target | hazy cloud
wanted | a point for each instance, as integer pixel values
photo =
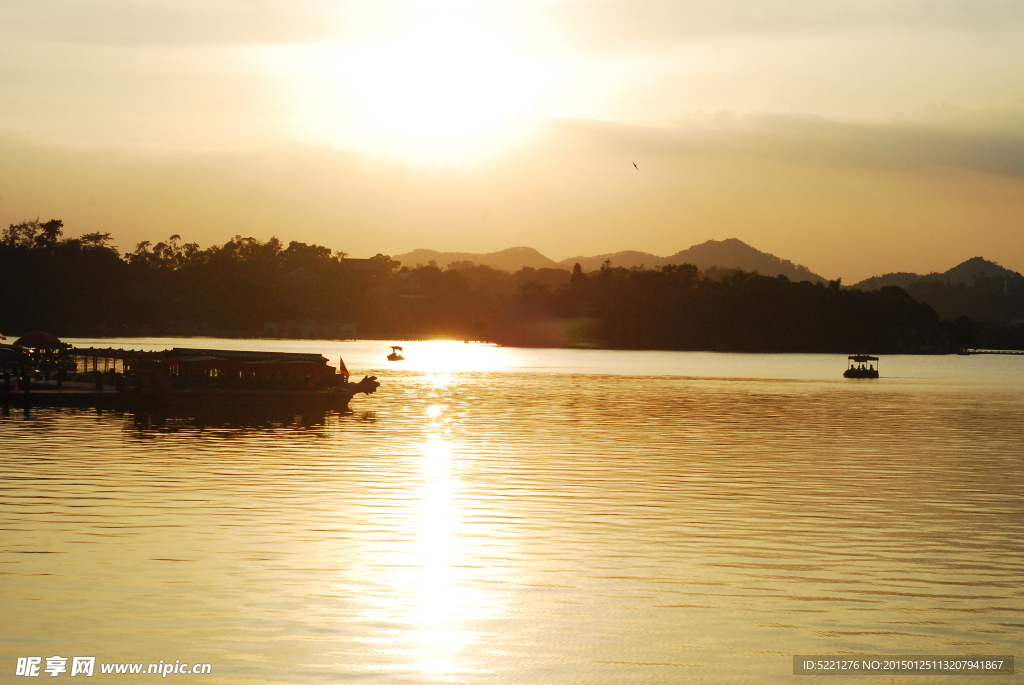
(988, 142)
(167, 22)
(613, 22)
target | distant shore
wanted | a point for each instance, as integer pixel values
(253, 289)
(246, 335)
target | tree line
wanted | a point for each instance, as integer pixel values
(84, 286)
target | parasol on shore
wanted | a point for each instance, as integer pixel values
(38, 339)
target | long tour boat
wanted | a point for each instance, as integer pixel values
(58, 374)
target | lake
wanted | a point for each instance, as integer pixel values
(529, 516)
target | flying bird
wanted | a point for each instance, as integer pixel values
(637, 168)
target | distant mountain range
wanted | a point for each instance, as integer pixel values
(513, 259)
(961, 273)
(728, 254)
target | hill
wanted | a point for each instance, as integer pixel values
(627, 259)
(728, 254)
(735, 254)
(513, 259)
(963, 273)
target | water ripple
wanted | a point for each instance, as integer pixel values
(482, 525)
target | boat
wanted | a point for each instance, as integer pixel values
(857, 368)
(63, 375)
(396, 354)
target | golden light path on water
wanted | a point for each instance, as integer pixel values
(529, 516)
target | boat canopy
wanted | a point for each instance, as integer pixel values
(861, 358)
(396, 347)
(39, 339)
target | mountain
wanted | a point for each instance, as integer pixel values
(735, 254)
(728, 254)
(900, 279)
(513, 259)
(963, 273)
(627, 259)
(977, 266)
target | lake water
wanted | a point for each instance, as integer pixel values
(530, 516)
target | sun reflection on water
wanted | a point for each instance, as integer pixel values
(445, 357)
(440, 604)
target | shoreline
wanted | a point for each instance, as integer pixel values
(242, 336)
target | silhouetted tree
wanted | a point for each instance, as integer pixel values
(83, 285)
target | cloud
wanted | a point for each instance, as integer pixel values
(598, 22)
(167, 22)
(613, 22)
(895, 146)
(990, 142)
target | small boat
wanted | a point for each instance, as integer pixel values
(396, 354)
(857, 368)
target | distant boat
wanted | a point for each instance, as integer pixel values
(396, 354)
(857, 368)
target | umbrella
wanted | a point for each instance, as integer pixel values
(38, 339)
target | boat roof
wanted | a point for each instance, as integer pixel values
(249, 356)
(396, 347)
(863, 358)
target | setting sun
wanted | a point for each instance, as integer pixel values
(442, 90)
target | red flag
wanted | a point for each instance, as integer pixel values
(342, 369)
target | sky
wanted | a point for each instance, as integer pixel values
(856, 137)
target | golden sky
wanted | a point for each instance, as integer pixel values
(855, 137)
